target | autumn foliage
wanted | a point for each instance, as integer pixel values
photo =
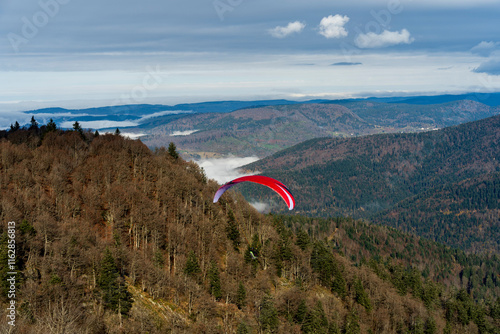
(115, 238)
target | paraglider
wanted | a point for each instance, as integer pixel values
(275, 185)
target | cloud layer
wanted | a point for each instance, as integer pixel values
(291, 28)
(485, 49)
(225, 169)
(491, 67)
(100, 51)
(333, 26)
(386, 38)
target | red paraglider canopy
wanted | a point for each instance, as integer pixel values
(275, 185)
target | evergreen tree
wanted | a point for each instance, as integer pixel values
(339, 284)
(315, 321)
(192, 267)
(268, 317)
(114, 293)
(352, 324)
(447, 328)
(33, 124)
(172, 150)
(158, 259)
(253, 252)
(241, 296)
(117, 132)
(333, 328)
(232, 231)
(51, 126)
(96, 133)
(26, 228)
(430, 326)
(242, 328)
(361, 296)
(214, 281)
(495, 309)
(301, 313)
(15, 127)
(303, 239)
(77, 127)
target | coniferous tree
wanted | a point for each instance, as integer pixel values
(215, 287)
(268, 317)
(430, 326)
(495, 309)
(158, 259)
(172, 150)
(51, 126)
(96, 133)
(15, 127)
(315, 321)
(192, 267)
(241, 296)
(361, 296)
(242, 328)
(77, 127)
(301, 313)
(352, 324)
(253, 251)
(339, 284)
(232, 231)
(333, 328)
(112, 287)
(303, 239)
(33, 124)
(117, 132)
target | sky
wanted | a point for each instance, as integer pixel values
(78, 54)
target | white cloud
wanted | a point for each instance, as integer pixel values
(100, 124)
(225, 169)
(384, 39)
(292, 27)
(491, 67)
(163, 113)
(131, 135)
(333, 26)
(183, 133)
(10, 117)
(261, 207)
(485, 49)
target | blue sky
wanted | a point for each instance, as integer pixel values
(75, 53)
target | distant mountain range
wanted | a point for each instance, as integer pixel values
(266, 126)
(443, 184)
(262, 131)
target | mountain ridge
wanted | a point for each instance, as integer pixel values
(365, 175)
(265, 130)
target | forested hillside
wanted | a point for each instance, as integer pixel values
(439, 184)
(111, 237)
(261, 131)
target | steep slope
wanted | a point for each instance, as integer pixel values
(113, 238)
(465, 214)
(362, 176)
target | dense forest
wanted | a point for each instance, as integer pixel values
(111, 237)
(439, 184)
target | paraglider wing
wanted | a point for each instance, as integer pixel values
(275, 185)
